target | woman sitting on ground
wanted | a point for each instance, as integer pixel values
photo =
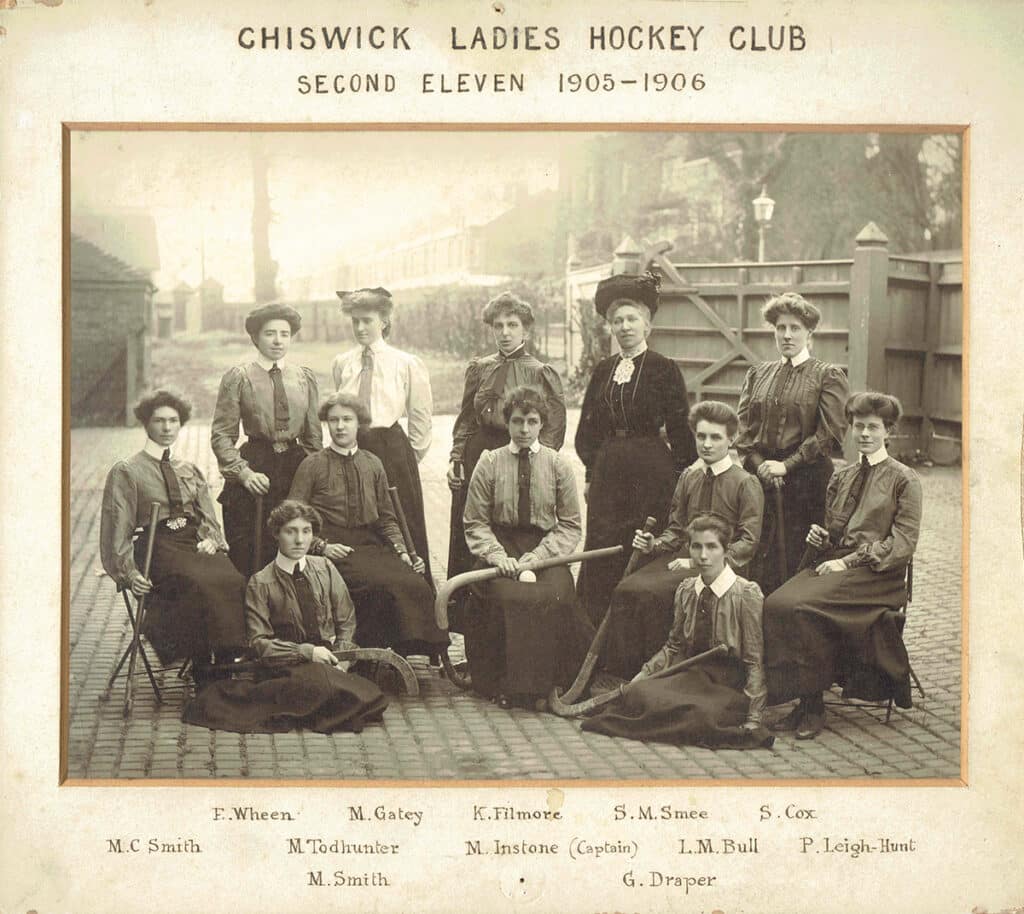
(833, 622)
(297, 613)
(199, 612)
(719, 702)
(523, 637)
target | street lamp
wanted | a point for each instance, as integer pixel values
(763, 208)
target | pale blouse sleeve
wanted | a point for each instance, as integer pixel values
(209, 528)
(419, 407)
(117, 524)
(224, 427)
(311, 438)
(476, 517)
(752, 651)
(563, 538)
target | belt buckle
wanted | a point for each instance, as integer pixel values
(281, 446)
(175, 523)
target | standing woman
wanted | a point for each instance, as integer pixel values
(390, 384)
(480, 425)
(631, 473)
(276, 403)
(523, 637)
(791, 420)
(201, 593)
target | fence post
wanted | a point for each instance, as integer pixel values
(869, 314)
(571, 263)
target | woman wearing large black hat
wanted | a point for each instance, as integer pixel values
(631, 470)
(275, 402)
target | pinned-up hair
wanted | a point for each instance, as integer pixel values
(153, 400)
(256, 318)
(871, 403)
(792, 303)
(291, 509)
(712, 522)
(715, 411)
(508, 303)
(527, 400)
(349, 401)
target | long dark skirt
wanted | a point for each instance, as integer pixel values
(392, 446)
(239, 507)
(460, 559)
(198, 600)
(632, 478)
(803, 504)
(837, 628)
(394, 604)
(642, 611)
(307, 696)
(702, 706)
(522, 639)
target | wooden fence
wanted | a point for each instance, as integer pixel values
(893, 323)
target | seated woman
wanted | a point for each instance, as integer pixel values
(832, 623)
(641, 607)
(719, 702)
(348, 486)
(522, 638)
(200, 606)
(297, 611)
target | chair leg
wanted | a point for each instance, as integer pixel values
(888, 711)
(149, 672)
(117, 669)
(917, 682)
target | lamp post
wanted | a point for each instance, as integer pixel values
(764, 206)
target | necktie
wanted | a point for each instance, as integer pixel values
(173, 487)
(366, 378)
(775, 412)
(707, 488)
(280, 400)
(524, 488)
(307, 606)
(702, 624)
(842, 520)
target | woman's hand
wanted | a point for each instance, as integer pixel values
(526, 559)
(417, 564)
(337, 551)
(140, 585)
(206, 547)
(771, 469)
(831, 566)
(680, 564)
(322, 655)
(644, 542)
(257, 484)
(454, 480)
(507, 567)
(817, 537)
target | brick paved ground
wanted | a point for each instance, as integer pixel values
(450, 734)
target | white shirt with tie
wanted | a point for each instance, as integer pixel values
(401, 389)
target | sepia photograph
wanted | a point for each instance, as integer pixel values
(463, 454)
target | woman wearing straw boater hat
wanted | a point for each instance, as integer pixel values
(391, 385)
(275, 402)
(631, 471)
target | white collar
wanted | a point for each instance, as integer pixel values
(287, 565)
(719, 585)
(344, 451)
(718, 467)
(515, 353)
(639, 349)
(379, 346)
(877, 457)
(155, 450)
(534, 448)
(266, 364)
(802, 356)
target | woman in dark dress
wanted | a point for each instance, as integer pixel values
(718, 703)
(523, 636)
(834, 621)
(297, 613)
(481, 425)
(391, 385)
(631, 472)
(200, 607)
(791, 422)
(275, 402)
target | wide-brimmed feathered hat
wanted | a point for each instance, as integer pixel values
(642, 289)
(377, 298)
(256, 318)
